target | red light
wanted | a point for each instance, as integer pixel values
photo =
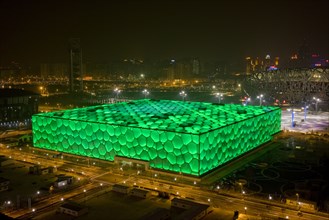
(315, 55)
(284, 101)
(276, 100)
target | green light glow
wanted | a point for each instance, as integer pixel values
(187, 137)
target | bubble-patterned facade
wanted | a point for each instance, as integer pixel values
(188, 137)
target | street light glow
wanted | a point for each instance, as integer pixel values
(260, 97)
(145, 92)
(317, 100)
(183, 94)
(219, 96)
(117, 92)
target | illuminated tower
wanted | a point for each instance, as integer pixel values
(75, 77)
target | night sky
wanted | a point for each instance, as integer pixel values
(34, 32)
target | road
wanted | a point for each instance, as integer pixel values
(250, 207)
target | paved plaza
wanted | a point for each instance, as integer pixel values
(314, 122)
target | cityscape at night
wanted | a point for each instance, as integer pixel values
(166, 109)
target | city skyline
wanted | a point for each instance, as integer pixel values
(37, 32)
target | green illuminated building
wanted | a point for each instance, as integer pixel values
(187, 137)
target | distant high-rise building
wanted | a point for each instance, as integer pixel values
(257, 64)
(53, 69)
(75, 77)
(196, 67)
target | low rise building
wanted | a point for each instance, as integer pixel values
(74, 209)
(60, 183)
(63, 181)
(121, 188)
(141, 193)
(193, 210)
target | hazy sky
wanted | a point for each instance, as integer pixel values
(34, 32)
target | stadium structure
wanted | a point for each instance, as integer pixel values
(294, 86)
(184, 137)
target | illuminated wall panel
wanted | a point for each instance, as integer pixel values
(187, 137)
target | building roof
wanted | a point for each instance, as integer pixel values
(73, 206)
(189, 202)
(6, 93)
(120, 186)
(164, 115)
(139, 190)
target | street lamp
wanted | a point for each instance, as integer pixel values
(117, 92)
(183, 95)
(317, 100)
(41, 89)
(260, 97)
(292, 116)
(146, 93)
(246, 100)
(219, 96)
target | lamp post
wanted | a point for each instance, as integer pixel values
(117, 92)
(260, 97)
(183, 95)
(219, 96)
(317, 100)
(292, 116)
(305, 111)
(146, 93)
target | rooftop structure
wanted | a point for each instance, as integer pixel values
(187, 137)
